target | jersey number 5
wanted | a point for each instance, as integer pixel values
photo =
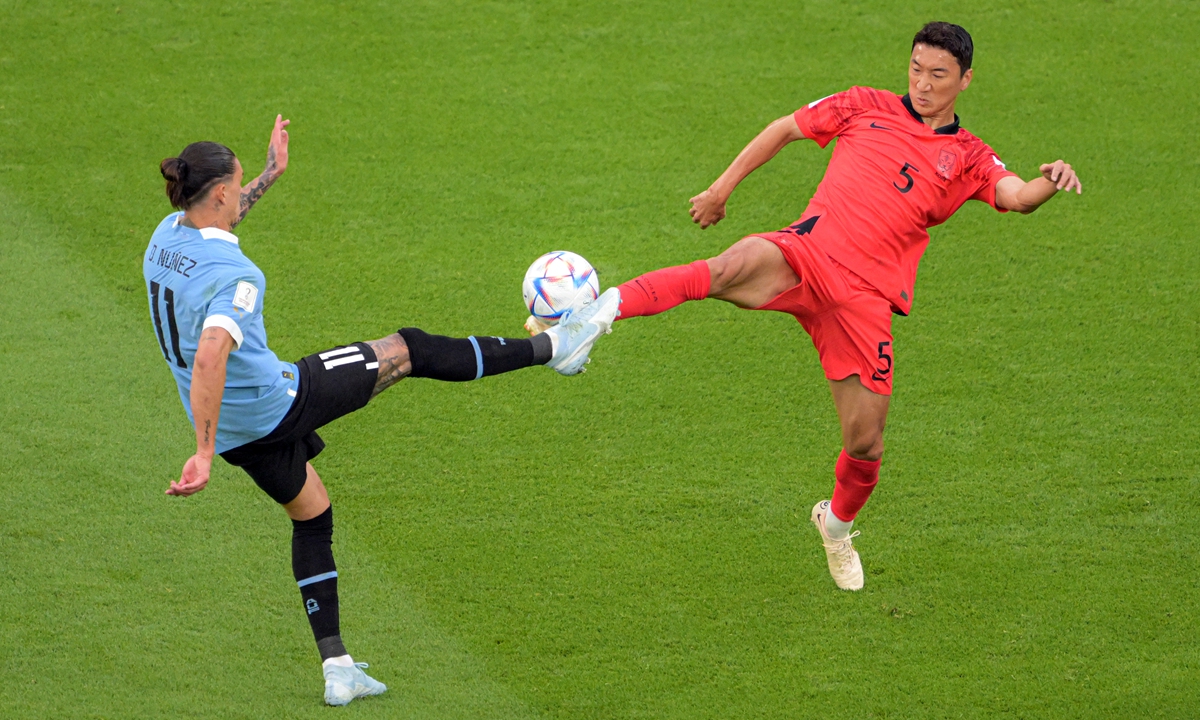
(904, 172)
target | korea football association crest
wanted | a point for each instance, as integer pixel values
(947, 163)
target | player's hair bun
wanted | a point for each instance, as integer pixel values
(173, 169)
(197, 169)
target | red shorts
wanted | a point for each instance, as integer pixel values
(849, 320)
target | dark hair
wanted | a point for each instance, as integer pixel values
(195, 171)
(951, 38)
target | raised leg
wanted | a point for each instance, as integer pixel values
(749, 274)
(416, 353)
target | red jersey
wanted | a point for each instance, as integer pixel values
(890, 178)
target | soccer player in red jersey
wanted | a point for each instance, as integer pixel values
(902, 164)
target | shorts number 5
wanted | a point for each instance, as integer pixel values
(880, 374)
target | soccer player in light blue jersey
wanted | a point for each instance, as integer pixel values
(260, 413)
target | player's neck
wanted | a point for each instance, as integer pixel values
(199, 218)
(942, 119)
(935, 119)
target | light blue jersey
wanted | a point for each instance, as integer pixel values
(198, 279)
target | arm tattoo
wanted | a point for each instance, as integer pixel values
(207, 428)
(394, 363)
(252, 192)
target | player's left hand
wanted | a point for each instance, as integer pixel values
(1063, 176)
(194, 476)
(277, 150)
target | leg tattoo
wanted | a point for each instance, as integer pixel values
(394, 362)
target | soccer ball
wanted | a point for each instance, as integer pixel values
(556, 281)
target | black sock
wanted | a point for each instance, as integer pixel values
(315, 573)
(457, 359)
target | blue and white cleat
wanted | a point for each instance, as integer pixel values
(578, 330)
(343, 683)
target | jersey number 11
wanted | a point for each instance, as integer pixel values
(168, 297)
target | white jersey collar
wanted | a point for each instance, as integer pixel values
(212, 233)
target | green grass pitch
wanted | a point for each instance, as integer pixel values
(633, 543)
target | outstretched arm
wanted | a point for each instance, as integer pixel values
(709, 206)
(277, 159)
(1013, 193)
(208, 386)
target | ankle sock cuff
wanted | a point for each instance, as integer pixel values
(331, 648)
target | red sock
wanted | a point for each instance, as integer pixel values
(855, 481)
(662, 290)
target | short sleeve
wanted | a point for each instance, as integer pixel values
(985, 170)
(823, 120)
(235, 306)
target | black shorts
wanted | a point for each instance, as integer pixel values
(332, 384)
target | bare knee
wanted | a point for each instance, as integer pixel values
(863, 414)
(751, 261)
(724, 271)
(862, 437)
(738, 264)
(312, 500)
(865, 445)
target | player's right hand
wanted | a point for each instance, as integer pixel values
(707, 208)
(194, 476)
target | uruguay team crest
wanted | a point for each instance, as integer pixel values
(946, 163)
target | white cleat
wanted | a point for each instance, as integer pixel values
(844, 565)
(343, 684)
(578, 330)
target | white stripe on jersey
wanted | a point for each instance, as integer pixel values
(227, 324)
(372, 365)
(339, 351)
(331, 364)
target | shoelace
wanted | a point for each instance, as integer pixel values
(844, 549)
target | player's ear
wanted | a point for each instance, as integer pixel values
(221, 191)
(966, 79)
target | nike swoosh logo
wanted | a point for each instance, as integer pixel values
(879, 127)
